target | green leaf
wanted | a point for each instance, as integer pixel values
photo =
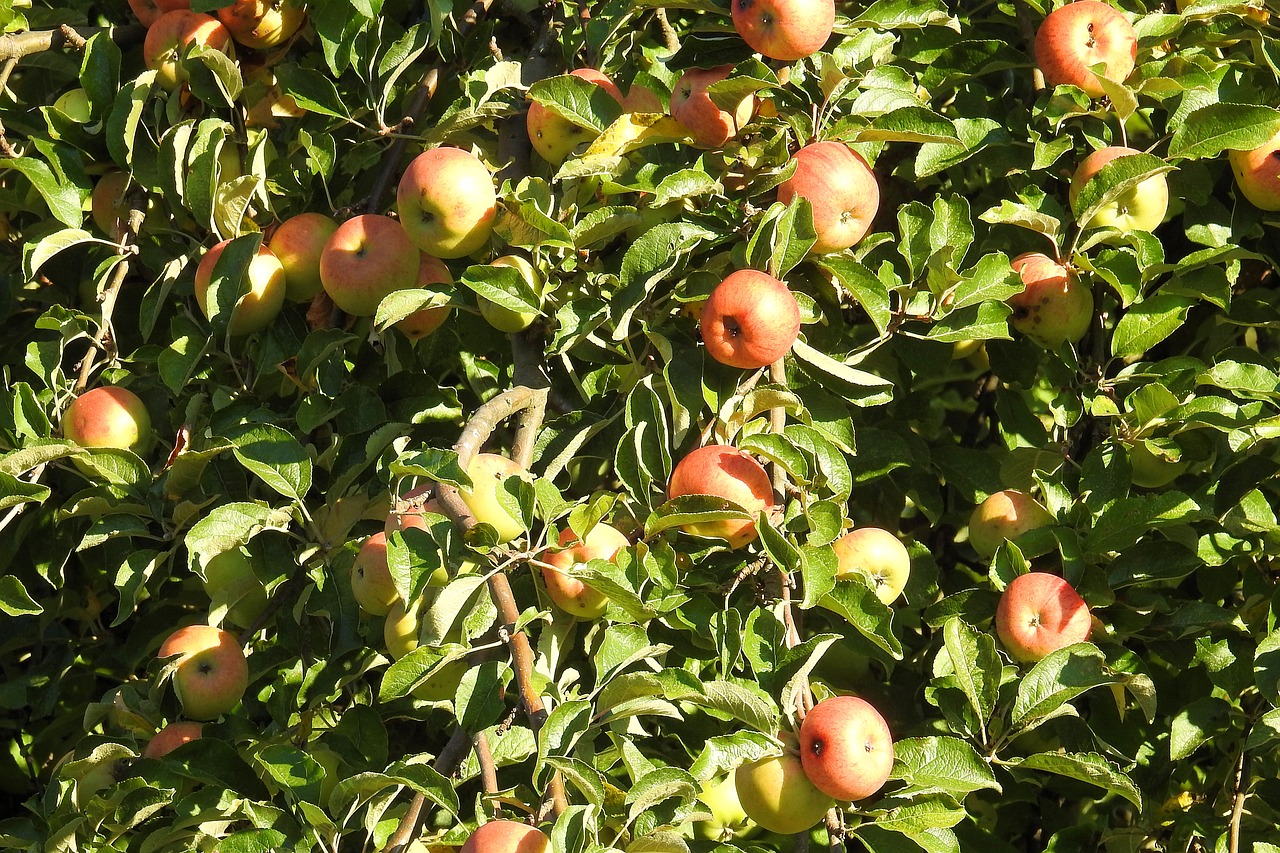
(14, 492)
(749, 704)
(1209, 131)
(426, 780)
(658, 785)
(692, 509)
(938, 764)
(1266, 667)
(1204, 719)
(577, 101)
(1087, 767)
(311, 90)
(124, 118)
(1127, 520)
(1057, 679)
(867, 614)
(865, 389)
(275, 457)
(862, 284)
(911, 124)
(1148, 322)
(14, 598)
(62, 198)
(975, 665)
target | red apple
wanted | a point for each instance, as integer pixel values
(1004, 516)
(371, 581)
(1055, 307)
(261, 24)
(553, 137)
(366, 259)
(108, 417)
(711, 126)
(107, 204)
(846, 748)
(842, 190)
(1082, 34)
(1257, 173)
(1040, 613)
(173, 33)
(726, 472)
(212, 672)
(419, 324)
(298, 243)
(1141, 208)
(750, 320)
(570, 594)
(259, 307)
(447, 202)
(506, 836)
(171, 737)
(784, 29)
(149, 10)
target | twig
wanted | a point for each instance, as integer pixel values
(18, 509)
(446, 764)
(835, 830)
(668, 34)
(1029, 36)
(102, 340)
(1237, 805)
(778, 422)
(18, 45)
(488, 772)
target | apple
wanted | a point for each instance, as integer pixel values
(724, 471)
(1082, 34)
(750, 320)
(1257, 173)
(171, 737)
(212, 672)
(419, 324)
(230, 582)
(641, 99)
(260, 24)
(1040, 613)
(371, 582)
(174, 32)
(842, 190)
(442, 685)
(877, 555)
(447, 202)
(1142, 208)
(1151, 471)
(775, 793)
(298, 242)
(506, 836)
(1004, 516)
(414, 518)
(729, 821)
(487, 472)
(504, 319)
(1054, 307)
(846, 748)
(710, 126)
(571, 595)
(400, 630)
(364, 260)
(259, 307)
(784, 29)
(553, 137)
(107, 204)
(148, 10)
(74, 104)
(264, 100)
(108, 416)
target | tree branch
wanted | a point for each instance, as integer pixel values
(102, 340)
(19, 45)
(1238, 800)
(446, 764)
(488, 771)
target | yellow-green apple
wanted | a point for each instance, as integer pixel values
(846, 748)
(171, 737)
(261, 24)
(1257, 173)
(750, 320)
(109, 416)
(107, 203)
(1040, 613)
(710, 126)
(298, 243)
(400, 630)
(419, 324)
(488, 471)
(877, 555)
(74, 104)
(1152, 471)
(371, 582)
(260, 305)
(504, 319)
(364, 260)
(148, 10)
(1004, 516)
(842, 190)
(571, 595)
(265, 102)
(1079, 35)
(775, 793)
(442, 685)
(784, 29)
(172, 34)
(553, 137)
(724, 471)
(212, 673)
(506, 836)
(447, 202)
(1141, 208)
(729, 821)
(1054, 307)
(231, 582)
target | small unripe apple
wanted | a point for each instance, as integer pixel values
(877, 555)
(231, 582)
(750, 320)
(108, 416)
(1004, 516)
(727, 472)
(366, 259)
(842, 190)
(729, 821)
(553, 137)
(447, 202)
(1040, 613)
(711, 126)
(784, 29)
(371, 582)
(504, 319)
(212, 672)
(1151, 471)
(401, 628)
(298, 243)
(1079, 35)
(571, 595)
(1055, 307)
(775, 793)
(74, 104)
(260, 305)
(1141, 208)
(846, 748)
(1257, 173)
(171, 737)
(488, 471)
(175, 32)
(506, 836)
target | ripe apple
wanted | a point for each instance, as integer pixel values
(259, 307)
(710, 126)
(108, 416)
(570, 594)
(212, 672)
(419, 324)
(148, 10)
(447, 202)
(172, 34)
(1005, 515)
(107, 204)
(371, 581)
(1142, 208)
(729, 821)
(727, 472)
(298, 243)
(506, 836)
(171, 737)
(1040, 613)
(504, 319)
(260, 24)
(775, 793)
(488, 471)
(784, 29)
(842, 190)
(846, 748)
(553, 137)
(750, 320)
(1257, 173)
(1082, 34)
(400, 631)
(364, 260)
(877, 555)
(1151, 471)
(1055, 307)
